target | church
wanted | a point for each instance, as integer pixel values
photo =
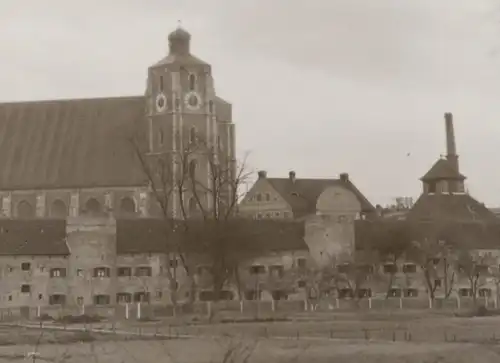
(78, 157)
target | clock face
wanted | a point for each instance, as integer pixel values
(192, 100)
(161, 102)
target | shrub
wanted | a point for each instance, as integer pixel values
(80, 319)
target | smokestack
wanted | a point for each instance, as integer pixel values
(450, 135)
(451, 148)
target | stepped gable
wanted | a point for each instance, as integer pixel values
(151, 235)
(70, 143)
(40, 237)
(302, 194)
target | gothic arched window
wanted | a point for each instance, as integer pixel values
(192, 135)
(93, 207)
(192, 169)
(58, 209)
(211, 106)
(160, 84)
(127, 206)
(192, 206)
(192, 82)
(160, 137)
(25, 210)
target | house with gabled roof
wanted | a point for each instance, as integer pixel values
(327, 207)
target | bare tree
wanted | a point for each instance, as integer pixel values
(474, 268)
(391, 241)
(197, 189)
(432, 249)
(352, 274)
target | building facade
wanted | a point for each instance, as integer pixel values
(80, 157)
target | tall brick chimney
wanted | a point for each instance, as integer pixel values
(451, 148)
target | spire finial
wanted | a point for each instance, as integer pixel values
(179, 23)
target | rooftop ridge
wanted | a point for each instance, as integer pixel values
(61, 100)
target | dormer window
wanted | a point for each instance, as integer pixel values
(431, 188)
(268, 197)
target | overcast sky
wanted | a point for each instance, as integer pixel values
(320, 86)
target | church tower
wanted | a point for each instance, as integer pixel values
(181, 111)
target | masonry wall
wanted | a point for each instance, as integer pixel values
(92, 244)
(330, 232)
(37, 277)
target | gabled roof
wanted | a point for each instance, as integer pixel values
(151, 235)
(456, 207)
(302, 194)
(442, 169)
(70, 143)
(33, 237)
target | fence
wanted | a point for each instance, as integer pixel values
(247, 307)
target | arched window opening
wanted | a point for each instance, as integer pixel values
(161, 84)
(192, 169)
(25, 210)
(192, 82)
(93, 207)
(211, 106)
(127, 206)
(58, 209)
(192, 206)
(192, 135)
(160, 137)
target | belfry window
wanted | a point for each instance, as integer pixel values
(192, 82)
(432, 187)
(160, 84)
(192, 135)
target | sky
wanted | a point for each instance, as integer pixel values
(320, 87)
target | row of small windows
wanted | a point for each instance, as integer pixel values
(121, 297)
(260, 215)
(59, 209)
(260, 197)
(140, 271)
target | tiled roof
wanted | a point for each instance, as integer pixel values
(455, 207)
(70, 143)
(151, 236)
(75, 143)
(302, 194)
(463, 234)
(184, 59)
(442, 169)
(33, 237)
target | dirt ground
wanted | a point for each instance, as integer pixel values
(388, 327)
(209, 351)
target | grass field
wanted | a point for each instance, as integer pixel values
(322, 338)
